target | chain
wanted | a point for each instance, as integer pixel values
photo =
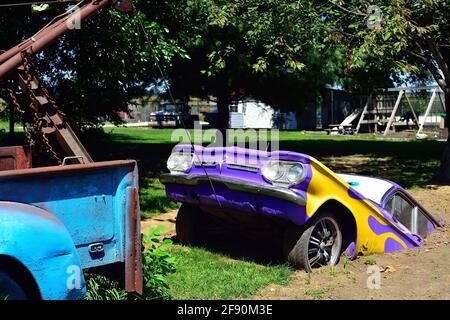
(37, 122)
(22, 112)
(32, 69)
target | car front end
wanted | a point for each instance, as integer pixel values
(237, 179)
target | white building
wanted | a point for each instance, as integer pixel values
(254, 114)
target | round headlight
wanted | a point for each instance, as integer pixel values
(295, 173)
(272, 170)
(173, 162)
(179, 162)
(186, 162)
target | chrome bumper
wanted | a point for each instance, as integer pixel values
(235, 185)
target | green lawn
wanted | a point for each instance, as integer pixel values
(202, 274)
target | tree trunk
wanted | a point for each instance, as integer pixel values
(223, 116)
(443, 173)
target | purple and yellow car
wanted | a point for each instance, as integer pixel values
(322, 214)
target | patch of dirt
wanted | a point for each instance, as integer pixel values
(420, 273)
(406, 172)
(432, 133)
(348, 164)
(167, 219)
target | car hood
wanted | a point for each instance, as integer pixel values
(371, 188)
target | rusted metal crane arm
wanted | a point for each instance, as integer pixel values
(47, 119)
(12, 58)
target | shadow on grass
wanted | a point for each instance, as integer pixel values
(410, 163)
(236, 245)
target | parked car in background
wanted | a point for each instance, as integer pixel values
(212, 118)
(172, 115)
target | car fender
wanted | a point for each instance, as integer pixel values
(376, 231)
(41, 243)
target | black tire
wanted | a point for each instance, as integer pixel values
(317, 244)
(10, 289)
(188, 219)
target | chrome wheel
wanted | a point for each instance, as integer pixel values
(317, 244)
(324, 243)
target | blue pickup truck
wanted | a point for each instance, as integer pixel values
(56, 222)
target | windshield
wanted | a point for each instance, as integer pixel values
(408, 214)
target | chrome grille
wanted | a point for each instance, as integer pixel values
(245, 167)
(205, 163)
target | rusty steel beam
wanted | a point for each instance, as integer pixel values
(66, 138)
(41, 100)
(29, 42)
(133, 257)
(70, 143)
(50, 35)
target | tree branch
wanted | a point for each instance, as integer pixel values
(431, 67)
(355, 13)
(438, 58)
(416, 55)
